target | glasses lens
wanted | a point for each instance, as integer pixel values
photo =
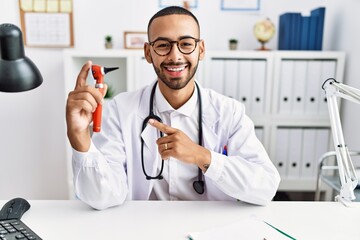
(187, 45)
(162, 47)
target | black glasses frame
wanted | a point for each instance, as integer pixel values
(177, 44)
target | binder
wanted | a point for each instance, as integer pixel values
(285, 25)
(230, 77)
(313, 32)
(258, 86)
(308, 161)
(217, 75)
(322, 144)
(286, 81)
(259, 132)
(281, 153)
(328, 70)
(304, 36)
(320, 14)
(298, 90)
(295, 153)
(244, 82)
(312, 87)
(296, 28)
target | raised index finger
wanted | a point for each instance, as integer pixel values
(162, 127)
(81, 79)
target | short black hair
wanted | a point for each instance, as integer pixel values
(171, 11)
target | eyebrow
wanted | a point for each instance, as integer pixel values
(168, 39)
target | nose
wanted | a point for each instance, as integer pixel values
(174, 53)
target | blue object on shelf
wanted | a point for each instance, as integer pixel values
(297, 32)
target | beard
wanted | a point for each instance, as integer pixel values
(176, 83)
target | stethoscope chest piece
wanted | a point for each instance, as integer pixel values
(199, 187)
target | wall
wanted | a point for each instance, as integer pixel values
(33, 125)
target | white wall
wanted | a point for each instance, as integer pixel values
(32, 136)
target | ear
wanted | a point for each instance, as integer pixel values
(147, 53)
(201, 50)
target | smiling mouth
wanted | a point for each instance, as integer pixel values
(175, 68)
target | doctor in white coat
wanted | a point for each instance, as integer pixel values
(208, 150)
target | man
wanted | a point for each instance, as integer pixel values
(209, 148)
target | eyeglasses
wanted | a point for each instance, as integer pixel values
(162, 47)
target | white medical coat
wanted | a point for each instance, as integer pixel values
(111, 172)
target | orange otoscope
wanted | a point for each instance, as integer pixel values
(98, 73)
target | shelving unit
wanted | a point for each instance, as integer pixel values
(280, 89)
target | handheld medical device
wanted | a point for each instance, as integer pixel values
(98, 73)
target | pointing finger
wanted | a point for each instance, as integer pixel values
(81, 79)
(162, 127)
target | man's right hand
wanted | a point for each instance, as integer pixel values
(80, 105)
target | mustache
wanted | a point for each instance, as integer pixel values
(173, 64)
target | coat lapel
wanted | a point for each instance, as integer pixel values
(149, 135)
(210, 121)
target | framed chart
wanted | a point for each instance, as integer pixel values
(240, 5)
(47, 23)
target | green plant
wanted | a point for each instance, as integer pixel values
(108, 38)
(233, 40)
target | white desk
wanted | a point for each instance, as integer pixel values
(158, 220)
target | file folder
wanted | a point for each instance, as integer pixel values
(281, 154)
(328, 70)
(285, 84)
(231, 78)
(258, 87)
(308, 161)
(295, 153)
(313, 87)
(217, 75)
(298, 93)
(244, 82)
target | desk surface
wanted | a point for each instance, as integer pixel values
(173, 220)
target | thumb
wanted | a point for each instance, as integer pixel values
(105, 89)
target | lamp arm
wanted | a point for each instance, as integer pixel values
(347, 174)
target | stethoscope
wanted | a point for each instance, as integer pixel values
(199, 185)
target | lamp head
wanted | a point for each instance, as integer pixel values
(17, 72)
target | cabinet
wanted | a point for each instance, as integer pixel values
(280, 89)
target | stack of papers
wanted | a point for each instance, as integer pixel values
(251, 228)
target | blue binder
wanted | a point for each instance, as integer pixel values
(320, 13)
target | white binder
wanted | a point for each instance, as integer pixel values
(313, 87)
(308, 161)
(259, 132)
(286, 82)
(295, 153)
(328, 70)
(322, 144)
(231, 78)
(244, 83)
(282, 148)
(298, 90)
(217, 75)
(258, 87)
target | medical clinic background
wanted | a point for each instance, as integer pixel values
(33, 142)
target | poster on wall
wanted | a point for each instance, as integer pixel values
(47, 23)
(181, 3)
(240, 5)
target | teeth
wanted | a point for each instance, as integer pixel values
(176, 69)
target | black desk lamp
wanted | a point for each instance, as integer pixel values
(17, 72)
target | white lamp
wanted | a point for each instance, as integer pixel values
(347, 174)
